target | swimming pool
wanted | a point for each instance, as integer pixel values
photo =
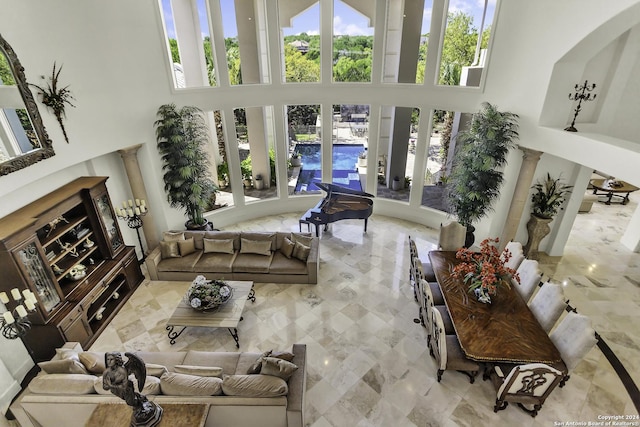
(345, 171)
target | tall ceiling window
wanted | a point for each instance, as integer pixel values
(352, 40)
(300, 31)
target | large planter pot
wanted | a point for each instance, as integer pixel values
(259, 184)
(207, 226)
(296, 161)
(396, 185)
(538, 228)
(469, 238)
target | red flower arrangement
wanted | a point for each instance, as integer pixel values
(484, 270)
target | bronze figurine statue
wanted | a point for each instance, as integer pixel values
(116, 379)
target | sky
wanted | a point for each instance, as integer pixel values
(346, 21)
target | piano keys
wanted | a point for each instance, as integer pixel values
(339, 203)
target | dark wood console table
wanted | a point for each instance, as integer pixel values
(613, 188)
(503, 331)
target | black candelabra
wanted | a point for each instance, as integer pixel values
(14, 322)
(133, 215)
(582, 93)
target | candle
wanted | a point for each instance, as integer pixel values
(8, 318)
(15, 293)
(130, 212)
(142, 202)
(123, 212)
(130, 203)
(25, 294)
(4, 298)
(124, 205)
(30, 305)
(21, 311)
(143, 208)
(137, 210)
(137, 202)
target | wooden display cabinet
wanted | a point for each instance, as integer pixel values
(68, 250)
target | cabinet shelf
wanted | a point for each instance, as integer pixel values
(70, 249)
(105, 296)
(60, 231)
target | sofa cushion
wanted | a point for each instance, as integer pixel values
(282, 265)
(155, 370)
(215, 263)
(256, 365)
(185, 263)
(287, 247)
(258, 247)
(260, 235)
(277, 367)
(303, 238)
(235, 235)
(252, 263)
(301, 251)
(254, 386)
(63, 366)
(62, 384)
(202, 371)
(225, 360)
(223, 246)
(169, 250)
(186, 247)
(93, 361)
(174, 384)
(197, 238)
(151, 385)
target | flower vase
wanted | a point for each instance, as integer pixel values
(482, 295)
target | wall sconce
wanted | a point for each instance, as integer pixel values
(15, 322)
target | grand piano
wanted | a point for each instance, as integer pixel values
(339, 203)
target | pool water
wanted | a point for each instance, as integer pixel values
(345, 171)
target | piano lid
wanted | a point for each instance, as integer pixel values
(334, 188)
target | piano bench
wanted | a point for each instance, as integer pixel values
(303, 220)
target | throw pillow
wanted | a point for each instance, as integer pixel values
(278, 368)
(287, 247)
(186, 246)
(155, 370)
(202, 371)
(257, 366)
(254, 386)
(169, 250)
(63, 366)
(305, 240)
(173, 236)
(223, 246)
(301, 252)
(176, 384)
(62, 384)
(93, 361)
(284, 355)
(259, 247)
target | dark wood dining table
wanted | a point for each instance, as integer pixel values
(503, 331)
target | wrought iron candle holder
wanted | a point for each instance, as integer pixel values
(15, 322)
(133, 215)
(581, 94)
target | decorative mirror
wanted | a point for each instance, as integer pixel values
(23, 138)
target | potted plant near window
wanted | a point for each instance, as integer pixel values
(362, 159)
(476, 176)
(395, 184)
(223, 174)
(547, 199)
(295, 159)
(259, 183)
(181, 136)
(246, 170)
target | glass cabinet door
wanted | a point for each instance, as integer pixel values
(112, 232)
(38, 274)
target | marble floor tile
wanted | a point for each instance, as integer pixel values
(368, 362)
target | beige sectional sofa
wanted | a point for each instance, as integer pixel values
(280, 257)
(241, 400)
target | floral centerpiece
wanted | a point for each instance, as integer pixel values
(206, 294)
(484, 272)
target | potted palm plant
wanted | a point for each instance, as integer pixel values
(181, 135)
(547, 199)
(476, 176)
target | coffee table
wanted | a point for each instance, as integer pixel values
(227, 316)
(613, 188)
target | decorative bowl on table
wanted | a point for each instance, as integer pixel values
(207, 295)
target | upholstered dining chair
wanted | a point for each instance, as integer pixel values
(452, 236)
(548, 305)
(427, 269)
(517, 255)
(438, 299)
(530, 275)
(428, 306)
(573, 337)
(528, 384)
(446, 350)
